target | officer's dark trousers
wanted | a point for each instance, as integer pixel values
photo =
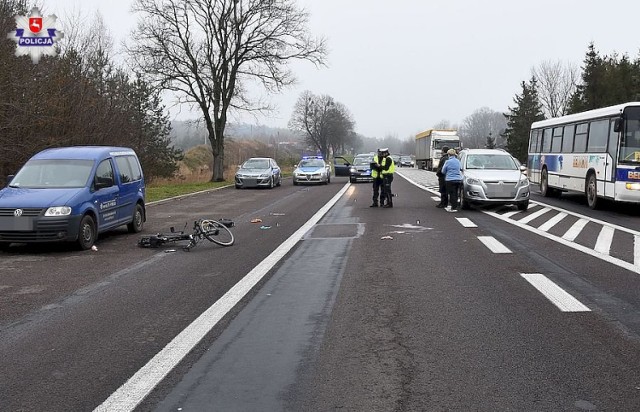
(377, 183)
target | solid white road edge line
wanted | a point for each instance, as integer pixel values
(134, 390)
(493, 244)
(558, 296)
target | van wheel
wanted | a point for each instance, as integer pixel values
(137, 223)
(86, 233)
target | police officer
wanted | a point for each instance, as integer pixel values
(444, 198)
(388, 168)
(377, 179)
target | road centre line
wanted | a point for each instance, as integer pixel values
(552, 222)
(493, 244)
(575, 230)
(607, 258)
(534, 215)
(605, 237)
(558, 296)
(465, 222)
(136, 388)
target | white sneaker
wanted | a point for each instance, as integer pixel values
(452, 210)
(448, 208)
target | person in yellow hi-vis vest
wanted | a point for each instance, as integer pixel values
(388, 168)
(377, 179)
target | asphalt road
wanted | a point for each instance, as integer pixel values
(438, 318)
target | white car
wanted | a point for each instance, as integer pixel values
(312, 169)
(492, 176)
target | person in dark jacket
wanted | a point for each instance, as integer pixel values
(444, 198)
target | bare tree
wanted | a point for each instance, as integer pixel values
(314, 117)
(480, 124)
(207, 51)
(556, 82)
(444, 124)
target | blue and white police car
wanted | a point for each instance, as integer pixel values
(312, 169)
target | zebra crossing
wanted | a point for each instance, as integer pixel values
(607, 241)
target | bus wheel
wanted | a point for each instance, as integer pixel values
(544, 184)
(591, 190)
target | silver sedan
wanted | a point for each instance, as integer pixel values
(258, 172)
(492, 176)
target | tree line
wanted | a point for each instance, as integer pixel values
(77, 98)
(552, 90)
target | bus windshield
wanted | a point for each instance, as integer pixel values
(630, 144)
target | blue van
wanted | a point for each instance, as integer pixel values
(71, 194)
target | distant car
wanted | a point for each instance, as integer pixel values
(312, 169)
(396, 159)
(258, 172)
(360, 169)
(406, 161)
(492, 176)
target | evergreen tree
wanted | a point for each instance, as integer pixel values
(519, 119)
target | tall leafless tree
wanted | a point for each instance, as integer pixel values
(323, 122)
(479, 125)
(209, 51)
(556, 82)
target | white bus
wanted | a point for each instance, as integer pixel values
(595, 152)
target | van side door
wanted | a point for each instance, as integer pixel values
(129, 178)
(105, 195)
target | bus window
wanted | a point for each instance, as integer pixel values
(556, 141)
(567, 139)
(533, 143)
(580, 141)
(598, 136)
(546, 141)
(613, 141)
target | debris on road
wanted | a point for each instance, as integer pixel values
(94, 248)
(264, 227)
(386, 238)
(256, 220)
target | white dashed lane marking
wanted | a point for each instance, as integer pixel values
(466, 222)
(493, 244)
(558, 296)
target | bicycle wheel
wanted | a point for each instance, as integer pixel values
(216, 232)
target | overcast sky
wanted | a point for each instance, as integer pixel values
(401, 66)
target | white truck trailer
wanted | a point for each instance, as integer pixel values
(429, 146)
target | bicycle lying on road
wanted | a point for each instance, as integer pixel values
(213, 230)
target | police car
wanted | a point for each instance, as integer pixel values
(71, 194)
(312, 169)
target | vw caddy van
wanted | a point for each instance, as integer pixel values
(71, 194)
